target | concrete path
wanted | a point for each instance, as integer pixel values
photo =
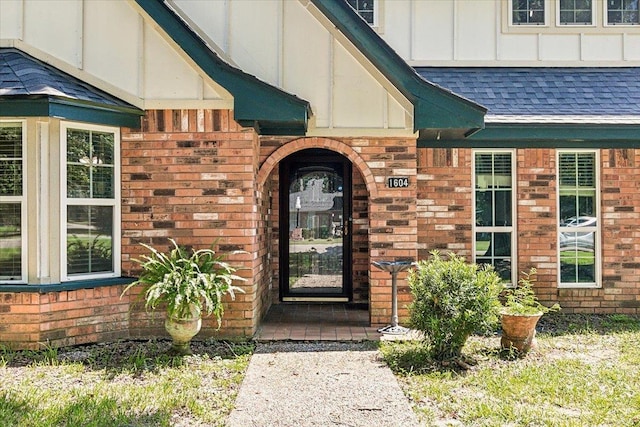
(320, 384)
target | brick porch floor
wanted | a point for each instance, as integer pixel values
(316, 322)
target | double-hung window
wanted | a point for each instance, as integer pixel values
(527, 12)
(578, 241)
(91, 210)
(12, 203)
(622, 12)
(494, 210)
(575, 12)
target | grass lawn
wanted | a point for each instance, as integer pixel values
(129, 383)
(585, 372)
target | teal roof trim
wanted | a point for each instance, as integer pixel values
(256, 104)
(434, 106)
(32, 88)
(69, 109)
(546, 136)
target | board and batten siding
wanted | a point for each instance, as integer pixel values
(132, 60)
(291, 45)
(478, 33)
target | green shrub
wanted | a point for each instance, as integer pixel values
(451, 300)
(521, 300)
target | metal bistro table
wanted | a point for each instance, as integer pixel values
(393, 267)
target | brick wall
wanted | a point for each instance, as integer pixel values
(190, 175)
(445, 218)
(63, 318)
(198, 177)
(388, 223)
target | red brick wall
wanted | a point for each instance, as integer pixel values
(198, 177)
(57, 319)
(360, 273)
(190, 175)
(444, 202)
(389, 222)
(445, 218)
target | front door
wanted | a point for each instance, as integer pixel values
(315, 225)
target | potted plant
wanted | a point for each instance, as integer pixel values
(190, 284)
(521, 313)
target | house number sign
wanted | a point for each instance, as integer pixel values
(398, 182)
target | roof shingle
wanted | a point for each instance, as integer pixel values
(22, 75)
(599, 91)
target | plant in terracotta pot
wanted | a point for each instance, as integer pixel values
(520, 315)
(190, 284)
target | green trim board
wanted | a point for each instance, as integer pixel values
(67, 286)
(434, 107)
(545, 136)
(257, 104)
(70, 109)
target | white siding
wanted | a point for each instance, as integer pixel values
(359, 99)
(119, 50)
(560, 47)
(10, 20)
(54, 27)
(478, 33)
(431, 27)
(472, 41)
(290, 45)
(254, 42)
(308, 62)
(602, 47)
(111, 45)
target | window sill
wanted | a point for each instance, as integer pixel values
(67, 286)
(579, 286)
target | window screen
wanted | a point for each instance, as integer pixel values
(578, 217)
(527, 12)
(11, 201)
(90, 201)
(493, 182)
(578, 12)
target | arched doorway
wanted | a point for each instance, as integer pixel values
(315, 212)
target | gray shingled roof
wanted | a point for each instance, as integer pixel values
(24, 76)
(550, 92)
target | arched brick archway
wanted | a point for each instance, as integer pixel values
(388, 224)
(363, 187)
(316, 142)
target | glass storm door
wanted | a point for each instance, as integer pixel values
(315, 240)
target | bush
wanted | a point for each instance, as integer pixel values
(451, 300)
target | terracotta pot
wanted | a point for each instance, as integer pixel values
(182, 331)
(519, 332)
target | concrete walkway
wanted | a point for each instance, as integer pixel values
(320, 384)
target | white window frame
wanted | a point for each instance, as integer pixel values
(605, 14)
(65, 202)
(22, 199)
(495, 229)
(596, 230)
(594, 17)
(526, 25)
(377, 8)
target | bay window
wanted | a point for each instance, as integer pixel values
(12, 203)
(578, 241)
(494, 210)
